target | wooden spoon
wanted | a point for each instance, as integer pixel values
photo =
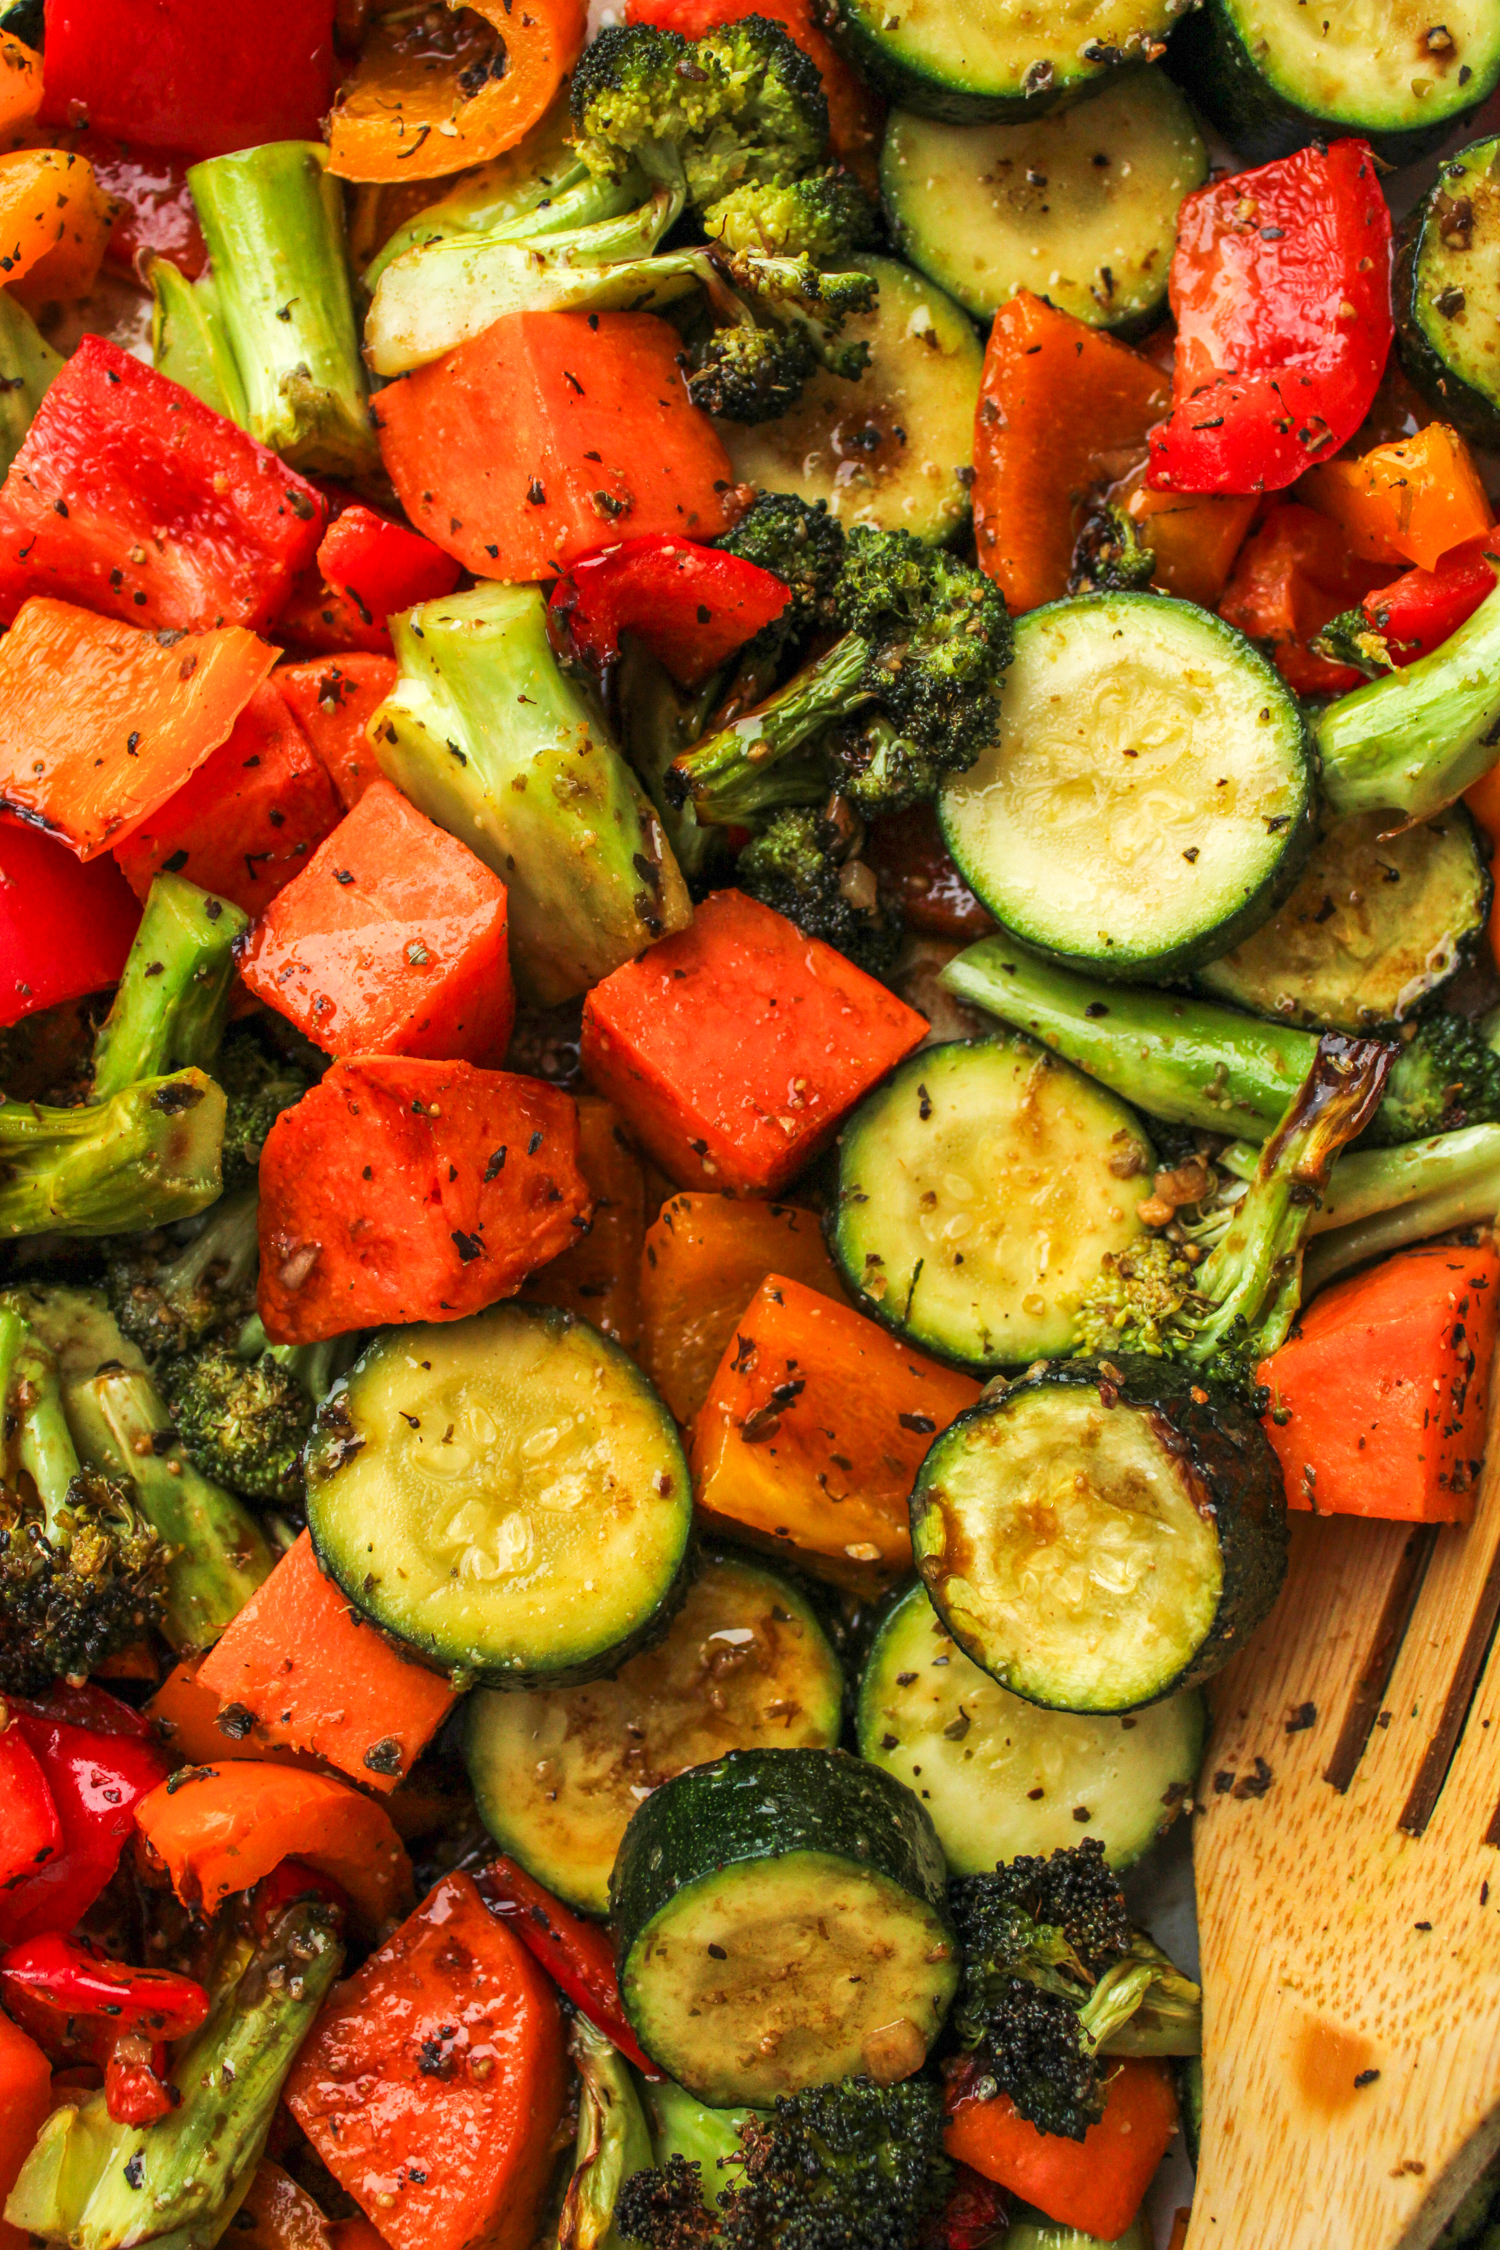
(1347, 1861)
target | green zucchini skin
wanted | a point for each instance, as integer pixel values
(1188, 2070)
(1212, 63)
(1228, 1461)
(1430, 274)
(1059, 699)
(1052, 75)
(379, 1487)
(816, 1816)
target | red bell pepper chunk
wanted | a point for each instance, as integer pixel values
(334, 702)
(248, 819)
(1290, 579)
(133, 498)
(316, 616)
(65, 928)
(203, 76)
(153, 204)
(71, 1977)
(691, 605)
(97, 1773)
(382, 566)
(577, 1955)
(1416, 612)
(135, 2080)
(31, 1833)
(1281, 288)
(973, 2215)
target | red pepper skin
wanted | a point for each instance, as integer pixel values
(96, 1780)
(974, 2214)
(202, 76)
(30, 1833)
(1291, 578)
(65, 928)
(1418, 611)
(135, 2080)
(72, 1978)
(382, 566)
(577, 1955)
(318, 618)
(132, 498)
(1281, 289)
(912, 862)
(692, 606)
(153, 203)
(289, 1881)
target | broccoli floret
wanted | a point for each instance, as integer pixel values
(170, 1299)
(258, 1085)
(801, 544)
(1225, 1314)
(1351, 639)
(241, 1421)
(800, 865)
(925, 640)
(1446, 1075)
(1055, 1977)
(1110, 556)
(825, 217)
(745, 373)
(82, 1573)
(852, 2166)
(743, 104)
(804, 301)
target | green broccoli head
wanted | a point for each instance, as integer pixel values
(1138, 1300)
(825, 217)
(77, 1582)
(803, 300)
(749, 374)
(937, 636)
(794, 866)
(1037, 1935)
(1110, 556)
(258, 1085)
(242, 1422)
(170, 1298)
(851, 2166)
(743, 104)
(1446, 1075)
(801, 544)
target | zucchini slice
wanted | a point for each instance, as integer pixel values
(894, 449)
(1101, 1534)
(506, 1494)
(1448, 290)
(1000, 1776)
(1149, 799)
(1273, 75)
(1373, 928)
(558, 1772)
(978, 1191)
(1001, 62)
(1079, 207)
(781, 1921)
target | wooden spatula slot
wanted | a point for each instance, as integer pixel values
(1349, 1894)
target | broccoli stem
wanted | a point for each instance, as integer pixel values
(273, 219)
(221, 1554)
(656, 724)
(439, 294)
(1251, 1281)
(317, 1367)
(172, 1001)
(1413, 741)
(189, 343)
(96, 2185)
(726, 776)
(32, 1391)
(148, 1156)
(1184, 1060)
(27, 366)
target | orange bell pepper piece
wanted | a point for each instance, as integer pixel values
(1408, 502)
(1061, 409)
(1195, 537)
(813, 1431)
(220, 1832)
(54, 224)
(25, 2098)
(20, 82)
(599, 1276)
(100, 724)
(334, 699)
(704, 1259)
(425, 100)
(1095, 2184)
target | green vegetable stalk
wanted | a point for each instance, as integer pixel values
(96, 2185)
(488, 737)
(613, 2142)
(189, 342)
(273, 219)
(142, 1159)
(172, 1000)
(1413, 741)
(27, 366)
